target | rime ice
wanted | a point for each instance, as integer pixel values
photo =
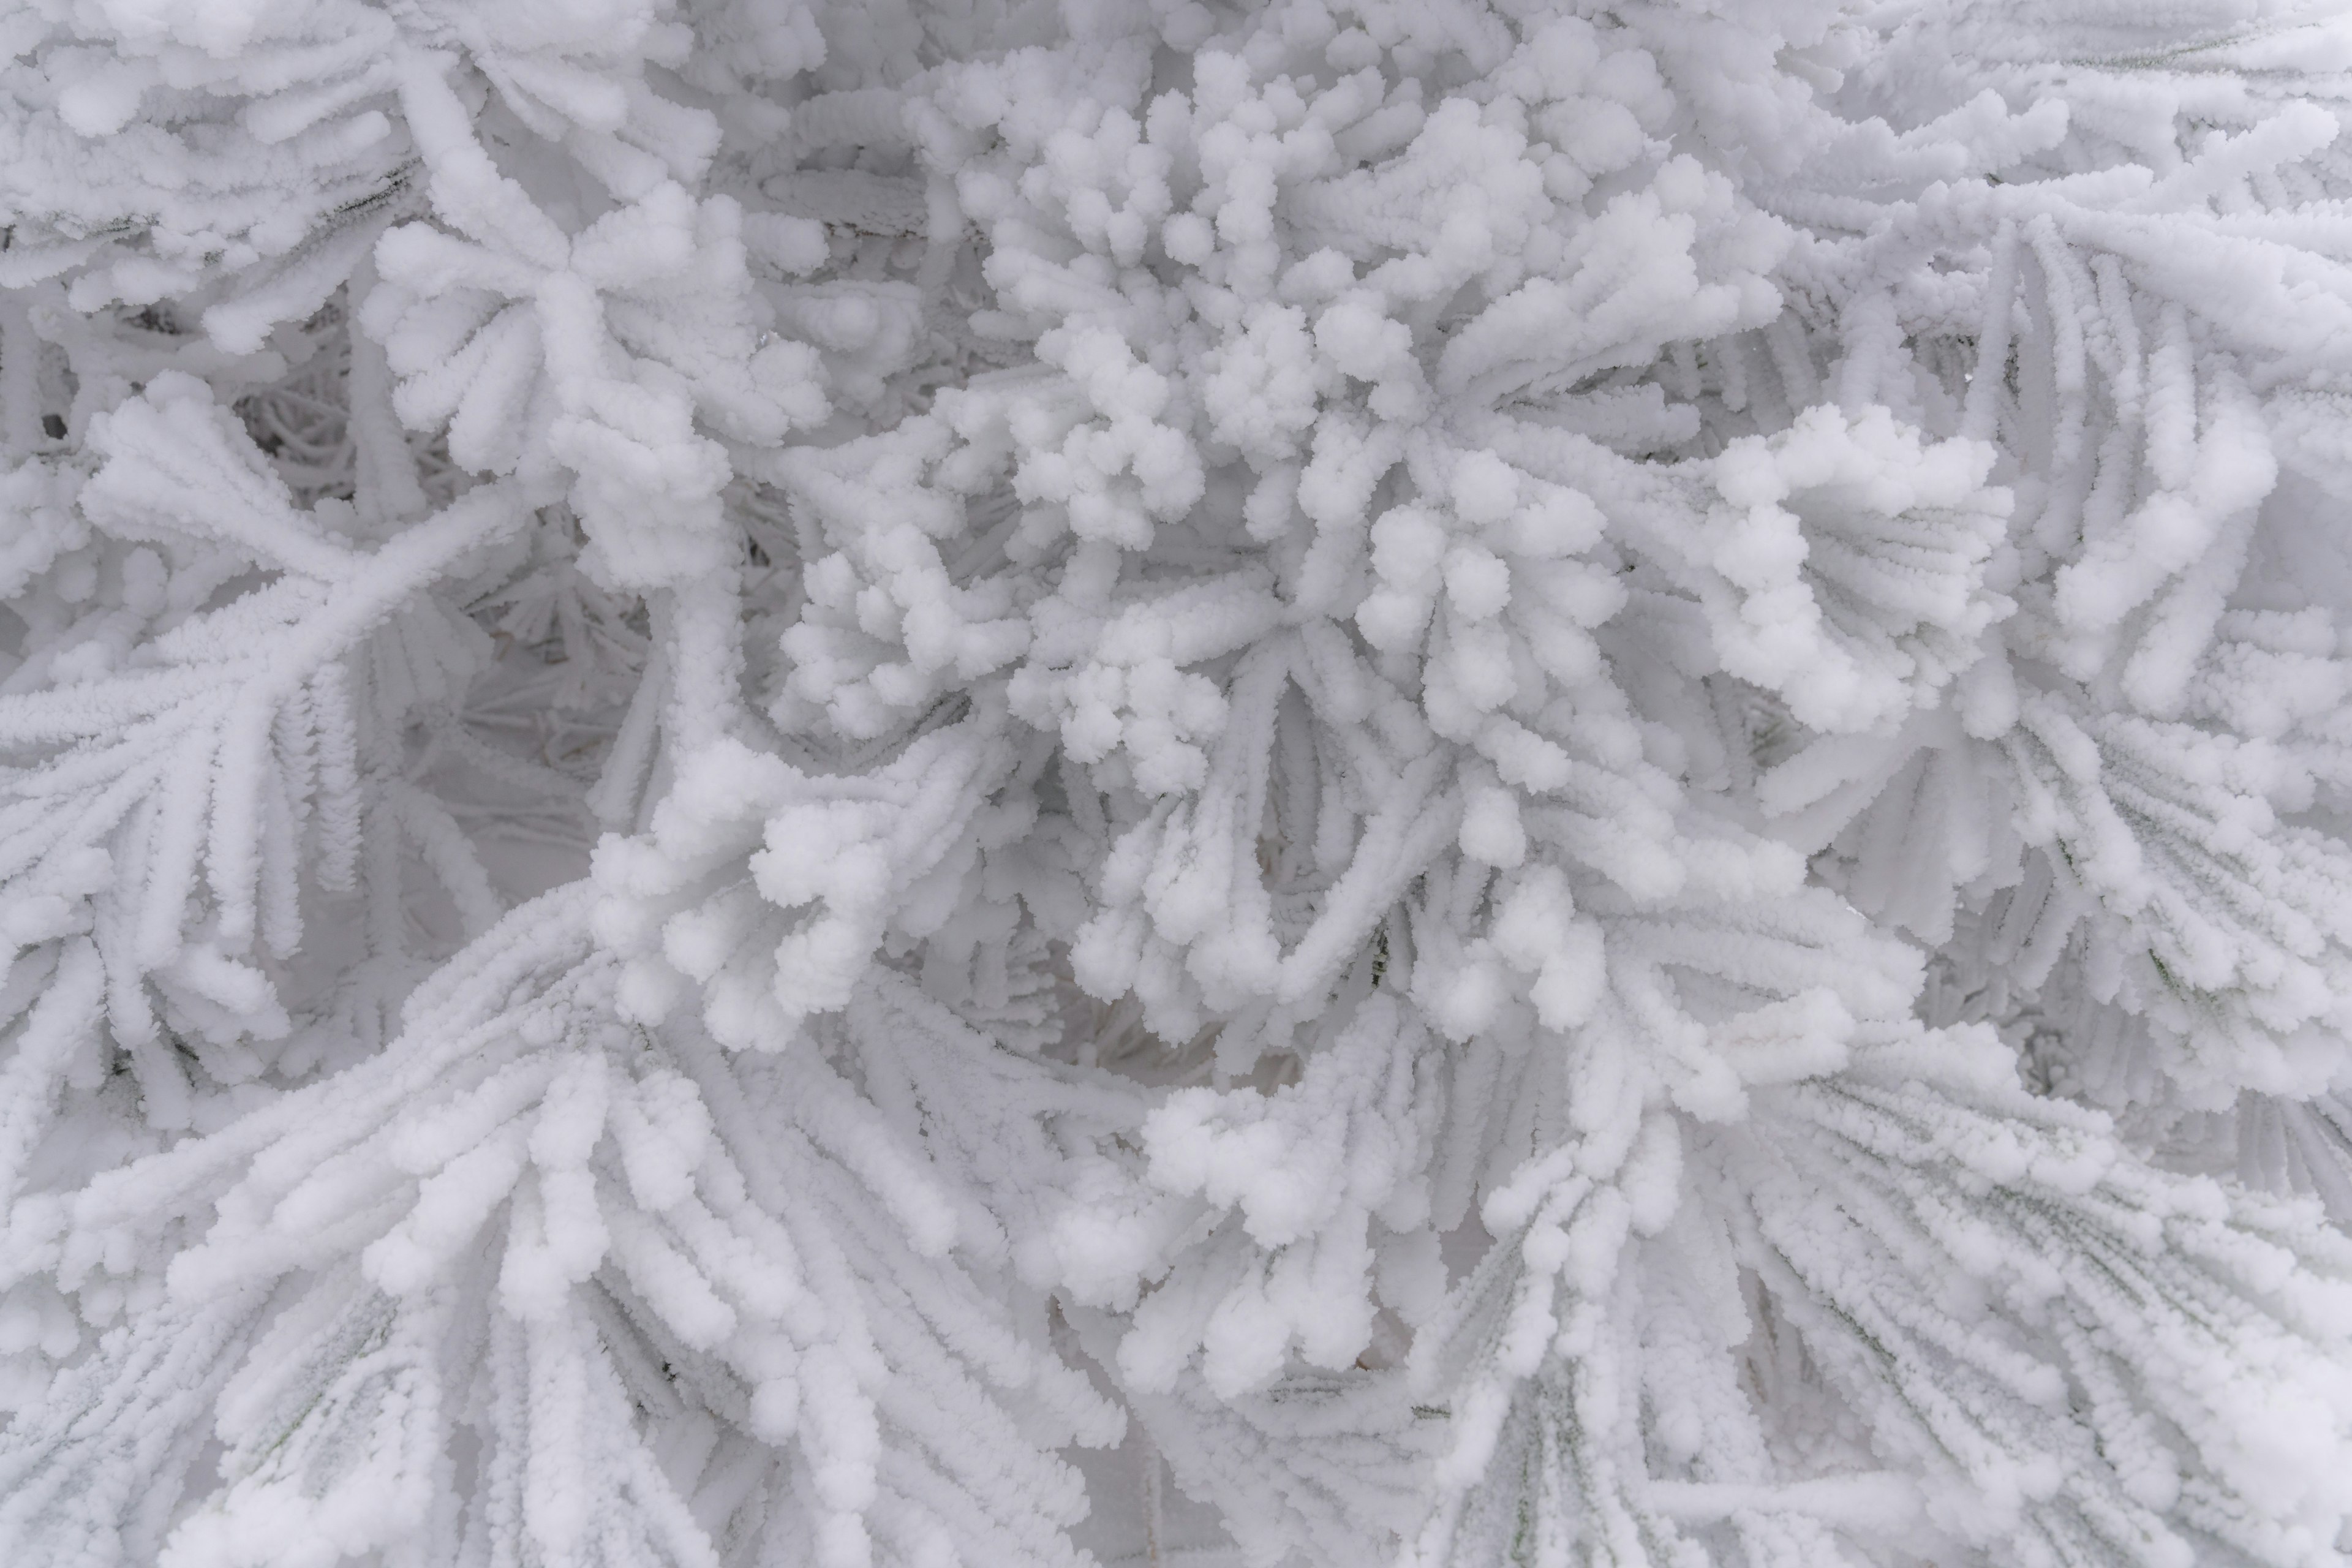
(887, 785)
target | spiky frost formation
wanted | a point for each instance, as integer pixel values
(1443, 782)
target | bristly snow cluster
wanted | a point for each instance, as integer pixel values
(884, 784)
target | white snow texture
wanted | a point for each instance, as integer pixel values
(1209, 783)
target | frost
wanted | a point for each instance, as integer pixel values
(1307, 784)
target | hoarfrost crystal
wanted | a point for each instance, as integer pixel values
(1319, 782)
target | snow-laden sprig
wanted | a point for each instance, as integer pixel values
(1858, 559)
(1303, 1184)
(123, 1426)
(1317, 1467)
(156, 155)
(202, 754)
(2116, 724)
(198, 763)
(771, 890)
(522, 1209)
(1978, 1276)
(587, 355)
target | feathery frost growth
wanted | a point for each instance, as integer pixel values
(882, 784)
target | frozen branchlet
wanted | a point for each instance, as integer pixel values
(1312, 782)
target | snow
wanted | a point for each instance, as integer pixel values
(1297, 784)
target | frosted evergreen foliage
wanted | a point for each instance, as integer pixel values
(847, 783)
